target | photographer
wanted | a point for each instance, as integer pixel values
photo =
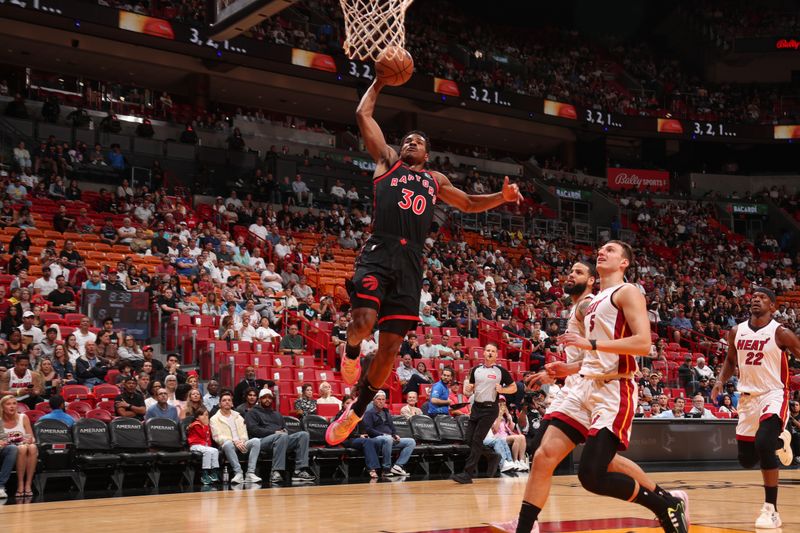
(529, 416)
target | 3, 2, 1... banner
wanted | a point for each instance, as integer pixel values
(638, 179)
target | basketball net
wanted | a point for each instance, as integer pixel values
(371, 26)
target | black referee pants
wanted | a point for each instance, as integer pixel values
(481, 419)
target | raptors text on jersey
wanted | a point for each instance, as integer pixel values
(403, 202)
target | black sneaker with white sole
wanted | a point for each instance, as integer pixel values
(303, 475)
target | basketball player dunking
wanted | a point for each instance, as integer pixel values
(564, 428)
(757, 346)
(387, 283)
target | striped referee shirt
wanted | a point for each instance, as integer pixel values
(485, 380)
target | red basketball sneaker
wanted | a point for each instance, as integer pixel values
(351, 369)
(341, 428)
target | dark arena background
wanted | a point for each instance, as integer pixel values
(185, 190)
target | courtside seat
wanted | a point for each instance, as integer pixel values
(492, 459)
(424, 431)
(56, 453)
(165, 439)
(450, 432)
(421, 451)
(93, 451)
(319, 451)
(129, 441)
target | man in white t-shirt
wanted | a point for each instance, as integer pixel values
(338, 192)
(46, 284)
(258, 228)
(30, 333)
(83, 335)
(126, 232)
(282, 248)
(234, 199)
(270, 279)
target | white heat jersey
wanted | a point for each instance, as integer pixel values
(763, 366)
(603, 321)
(574, 354)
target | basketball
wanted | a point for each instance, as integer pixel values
(394, 66)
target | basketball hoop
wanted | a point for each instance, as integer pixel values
(371, 26)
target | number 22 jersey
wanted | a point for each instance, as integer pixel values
(763, 366)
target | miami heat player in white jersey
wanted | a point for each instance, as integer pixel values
(575, 354)
(604, 321)
(763, 365)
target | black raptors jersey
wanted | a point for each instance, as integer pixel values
(403, 202)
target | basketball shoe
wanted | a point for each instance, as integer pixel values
(769, 518)
(784, 453)
(510, 527)
(341, 428)
(681, 495)
(351, 369)
(673, 519)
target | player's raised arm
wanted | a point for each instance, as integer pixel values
(382, 153)
(475, 203)
(729, 365)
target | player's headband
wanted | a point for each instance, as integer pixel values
(768, 292)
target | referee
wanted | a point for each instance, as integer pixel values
(487, 381)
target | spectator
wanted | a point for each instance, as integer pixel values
(22, 157)
(305, 404)
(378, 424)
(130, 351)
(211, 397)
(440, 394)
(61, 222)
(8, 458)
(30, 333)
(504, 428)
(143, 385)
(62, 299)
(130, 401)
(301, 191)
(89, 369)
(45, 284)
(410, 378)
(429, 350)
(57, 411)
(686, 374)
(702, 370)
(235, 141)
(698, 408)
(726, 406)
(410, 408)
(230, 433)
(162, 408)
(250, 401)
(369, 346)
(292, 343)
(172, 368)
(19, 433)
(198, 436)
(325, 396)
(194, 403)
(793, 427)
(22, 380)
(678, 409)
(248, 382)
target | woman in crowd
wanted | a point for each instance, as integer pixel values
(73, 352)
(250, 399)
(726, 406)
(14, 342)
(52, 381)
(325, 395)
(130, 350)
(24, 304)
(504, 428)
(20, 240)
(194, 382)
(61, 364)
(422, 368)
(20, 434)
(152, 399)
(11, 321)
(410, 408)
(227, 332)
(194, 402)
(305, 404)
(210, 306)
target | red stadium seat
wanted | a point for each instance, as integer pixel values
(34, 415)
(105, 391)
(100, 414)
(327, 409)
(43, 407)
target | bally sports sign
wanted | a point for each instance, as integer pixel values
(638, 179)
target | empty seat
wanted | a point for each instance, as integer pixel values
(164, 437)
(319, 452)
(129, 441)
(93, 451)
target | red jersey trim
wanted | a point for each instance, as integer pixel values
(369, 297)
(398, 317)
(394, 167)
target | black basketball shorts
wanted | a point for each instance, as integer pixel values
(388, 278)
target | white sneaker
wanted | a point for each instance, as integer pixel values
(510, 527)
(3, 494)
(508, 466)
(250, 477)
(769, 518)
(397, 470)
(523, 465)
(785, 453)
(237, 479)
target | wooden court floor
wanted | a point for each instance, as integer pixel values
(719, 502)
